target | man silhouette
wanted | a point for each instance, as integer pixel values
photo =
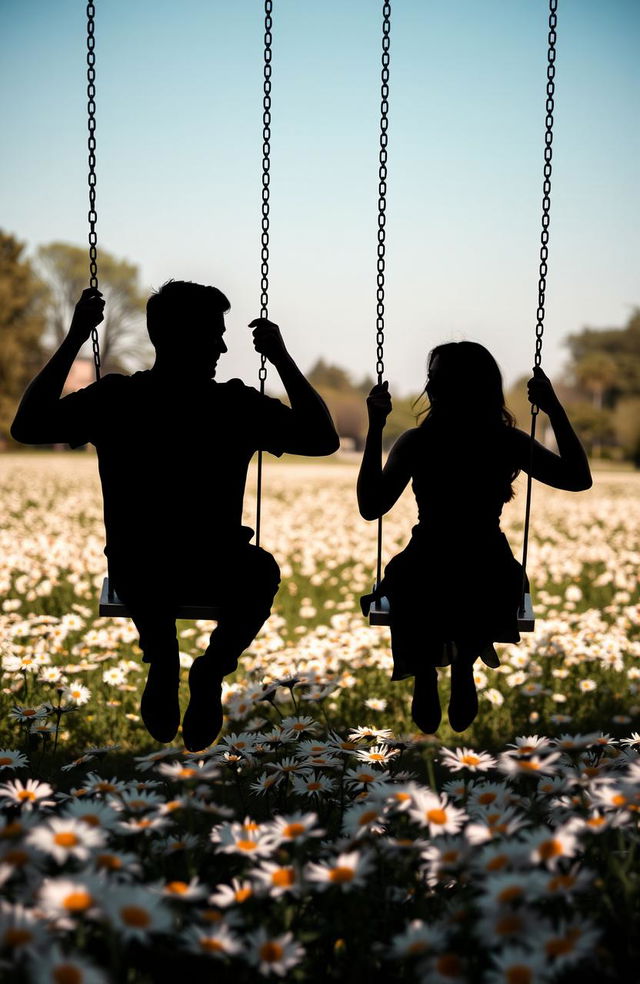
(173, 450)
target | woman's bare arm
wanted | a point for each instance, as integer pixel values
(569, 469)
(379, 488)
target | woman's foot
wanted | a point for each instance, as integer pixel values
(159, 707)
(463, 705)
(202, 720)
(425, 706)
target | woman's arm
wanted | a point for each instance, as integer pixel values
(378, 488)
(569, 469)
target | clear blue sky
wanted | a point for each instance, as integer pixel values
(179, 122)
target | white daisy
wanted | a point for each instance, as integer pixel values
(273, 954)
(135, 912)
(348, 870)
(65, 837)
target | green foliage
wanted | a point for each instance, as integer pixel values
(605, 366)
(123, 341)
(626, 424)
(608, 358)
(22, 320)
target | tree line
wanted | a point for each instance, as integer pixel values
(600, 386)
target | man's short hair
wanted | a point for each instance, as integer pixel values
(181, 304)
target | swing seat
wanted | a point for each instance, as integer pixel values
(380, 611)
(111, 605)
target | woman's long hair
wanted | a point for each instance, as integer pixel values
(465, 382)
(464, 389)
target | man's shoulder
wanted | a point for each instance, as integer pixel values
(238, 391)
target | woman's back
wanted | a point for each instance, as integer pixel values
(461, 475)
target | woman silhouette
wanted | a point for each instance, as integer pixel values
(456, 588)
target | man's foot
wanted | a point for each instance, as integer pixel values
(425, 706)
(463, 706)
(159, 707)
(202, 720)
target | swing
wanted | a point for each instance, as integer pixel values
(380, 609)
(109, 603)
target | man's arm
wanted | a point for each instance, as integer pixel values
(35, 420)
(316, 434)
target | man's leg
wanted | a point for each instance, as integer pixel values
(246, 605)
(155, 621)
(248, 582)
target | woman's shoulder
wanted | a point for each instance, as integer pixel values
(407, 440)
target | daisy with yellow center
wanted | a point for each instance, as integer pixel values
(436, 812)
(217, 943)
(364, 818)
(57, 967)
(191, 891)
(377, 754)
(65, 837)
(27, 795)
(10, 759)
(234, 894)
(273, 954)
(417, 939)
(135, 912)
(347, 871)
(466, 758)
(295, 827)
(549, 847)
(238, 838)
(534, 765)
(69, 898)
(276, 880)
(515, 965)
(316, 785)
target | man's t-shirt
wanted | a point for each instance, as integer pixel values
(173, 460)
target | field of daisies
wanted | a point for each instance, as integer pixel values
(321, 838)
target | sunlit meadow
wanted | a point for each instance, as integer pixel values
(321, 837)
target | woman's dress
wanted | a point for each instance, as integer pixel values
(456, 588)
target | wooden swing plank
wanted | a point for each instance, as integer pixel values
(111, 605)
(380, 611)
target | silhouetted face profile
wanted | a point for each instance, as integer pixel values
(185, 322)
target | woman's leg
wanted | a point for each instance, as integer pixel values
(463, 705)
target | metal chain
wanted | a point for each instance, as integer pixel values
(544, 257)
(264, 236)
(266, 173)
(382, 187)
(546, 185)
(382, 222)
(91, 143)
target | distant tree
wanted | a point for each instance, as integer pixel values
(325, 376)
(596, 372)
(123, 339)
(365, 386)
(626, 424)
(620, 345)
(23, 299)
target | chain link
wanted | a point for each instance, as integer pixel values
(91, 143)
(264, 234)
(266, 178)
(546, 185)
(382, 187)
(543, 268)
(382, 222)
